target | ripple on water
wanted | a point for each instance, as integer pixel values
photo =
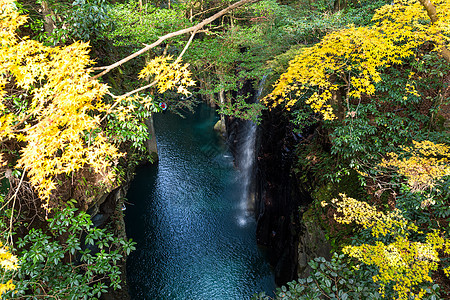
(195, 238)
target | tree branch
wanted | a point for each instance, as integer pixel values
(202, 12)
(445, 53)
(431, 12)
(126, 95)
(106, 69)
(148, 85)
(187, 45)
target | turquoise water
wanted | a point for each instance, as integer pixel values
(194, 238)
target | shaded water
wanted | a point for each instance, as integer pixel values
(194, 237)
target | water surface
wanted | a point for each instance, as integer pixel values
(194, 238)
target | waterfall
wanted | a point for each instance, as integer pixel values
(247, 159)
(246, 156)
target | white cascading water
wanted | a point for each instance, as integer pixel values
(246, 156)
(246, 169)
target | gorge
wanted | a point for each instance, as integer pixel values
(188, 214)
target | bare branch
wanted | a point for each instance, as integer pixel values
(126, 95)
(139, 89)
(187, 45)
(10, 235)
(203, 11)
(148, 85)
(106, 69)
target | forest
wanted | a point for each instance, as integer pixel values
(361, 90)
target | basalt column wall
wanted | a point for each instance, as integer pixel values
(278, 195)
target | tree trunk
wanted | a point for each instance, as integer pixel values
(339, 5)
(222, 100)
(336, 104)
(151, 142)
(431, 11)
(337, 99)
(49, 23)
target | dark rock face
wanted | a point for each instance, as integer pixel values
(276, 193)
(312, 243)
(235, 136)
(235, 127)
(278, 196)
(108, 211)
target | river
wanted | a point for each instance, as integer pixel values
(194, 238)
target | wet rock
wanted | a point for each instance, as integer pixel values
(220, 126)
(312, 243)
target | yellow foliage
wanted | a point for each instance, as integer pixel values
(368, 216)
(168, 75)
(63, 97)
(4, 287)
(60, 112)
(60, 127)
(423, 165)
(404, 263)
(354, 57)
(8, 262)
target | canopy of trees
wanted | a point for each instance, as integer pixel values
(371, 78)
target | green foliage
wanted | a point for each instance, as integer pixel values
(333, 279)
(215, 60)
(426, 209)
(36, 23)
(85, 20)
(131, 129)
(360, 140)
(361, 12)
(134, 27)
(243, 110)
(70, 259)
(88, 20)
